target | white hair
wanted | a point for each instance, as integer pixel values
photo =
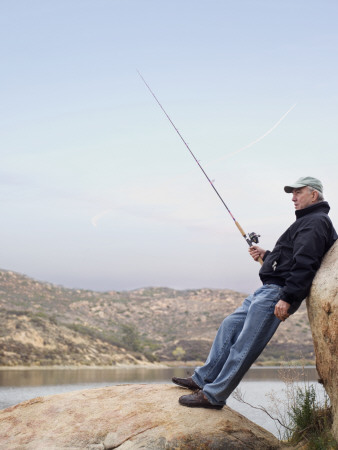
(320, 194)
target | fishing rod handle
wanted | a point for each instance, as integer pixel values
(240, 229)
(259, 259)
(247, 240)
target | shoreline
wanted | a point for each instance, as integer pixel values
(187, 365)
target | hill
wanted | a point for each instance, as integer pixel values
(45, 324)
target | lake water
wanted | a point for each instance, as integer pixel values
(257, 387)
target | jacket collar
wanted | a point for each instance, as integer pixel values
(317, 207)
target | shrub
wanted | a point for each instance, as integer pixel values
(311, 420)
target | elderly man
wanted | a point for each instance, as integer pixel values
(287, 274)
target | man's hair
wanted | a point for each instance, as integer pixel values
(320, 195)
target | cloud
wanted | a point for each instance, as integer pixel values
(165, 202)
(99, 216)
(256, 140)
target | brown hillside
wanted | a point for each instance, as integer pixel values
(47, 324)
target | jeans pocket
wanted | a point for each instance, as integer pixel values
(268, 297)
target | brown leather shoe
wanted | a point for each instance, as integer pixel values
(188, 383)
(197, 400)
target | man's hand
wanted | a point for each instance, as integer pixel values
(256, 252)
(281, 310)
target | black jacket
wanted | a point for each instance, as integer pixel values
(298, 253)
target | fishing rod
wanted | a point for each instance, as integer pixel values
(252, 238)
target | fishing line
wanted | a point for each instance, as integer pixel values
(252, 238)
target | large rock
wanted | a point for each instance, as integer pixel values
(126, 417)
(322, 306)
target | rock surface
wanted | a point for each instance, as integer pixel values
(126, 417)
(323, 315)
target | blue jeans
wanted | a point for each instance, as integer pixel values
(239, 341)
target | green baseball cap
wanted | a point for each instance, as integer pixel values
(305, 181)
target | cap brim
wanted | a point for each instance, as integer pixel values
(289, 189)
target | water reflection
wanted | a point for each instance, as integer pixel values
(17, 386)
(47, 377)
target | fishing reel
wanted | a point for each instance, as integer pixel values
(254, 237)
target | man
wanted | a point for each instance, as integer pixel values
(287, 274)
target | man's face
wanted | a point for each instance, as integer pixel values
(303, 197)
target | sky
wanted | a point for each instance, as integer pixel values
(97, 189)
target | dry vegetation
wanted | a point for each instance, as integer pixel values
(45, 324)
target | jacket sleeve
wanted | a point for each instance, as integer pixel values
(310, 244)
(267, 252)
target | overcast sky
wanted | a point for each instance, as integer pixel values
(98, 191)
